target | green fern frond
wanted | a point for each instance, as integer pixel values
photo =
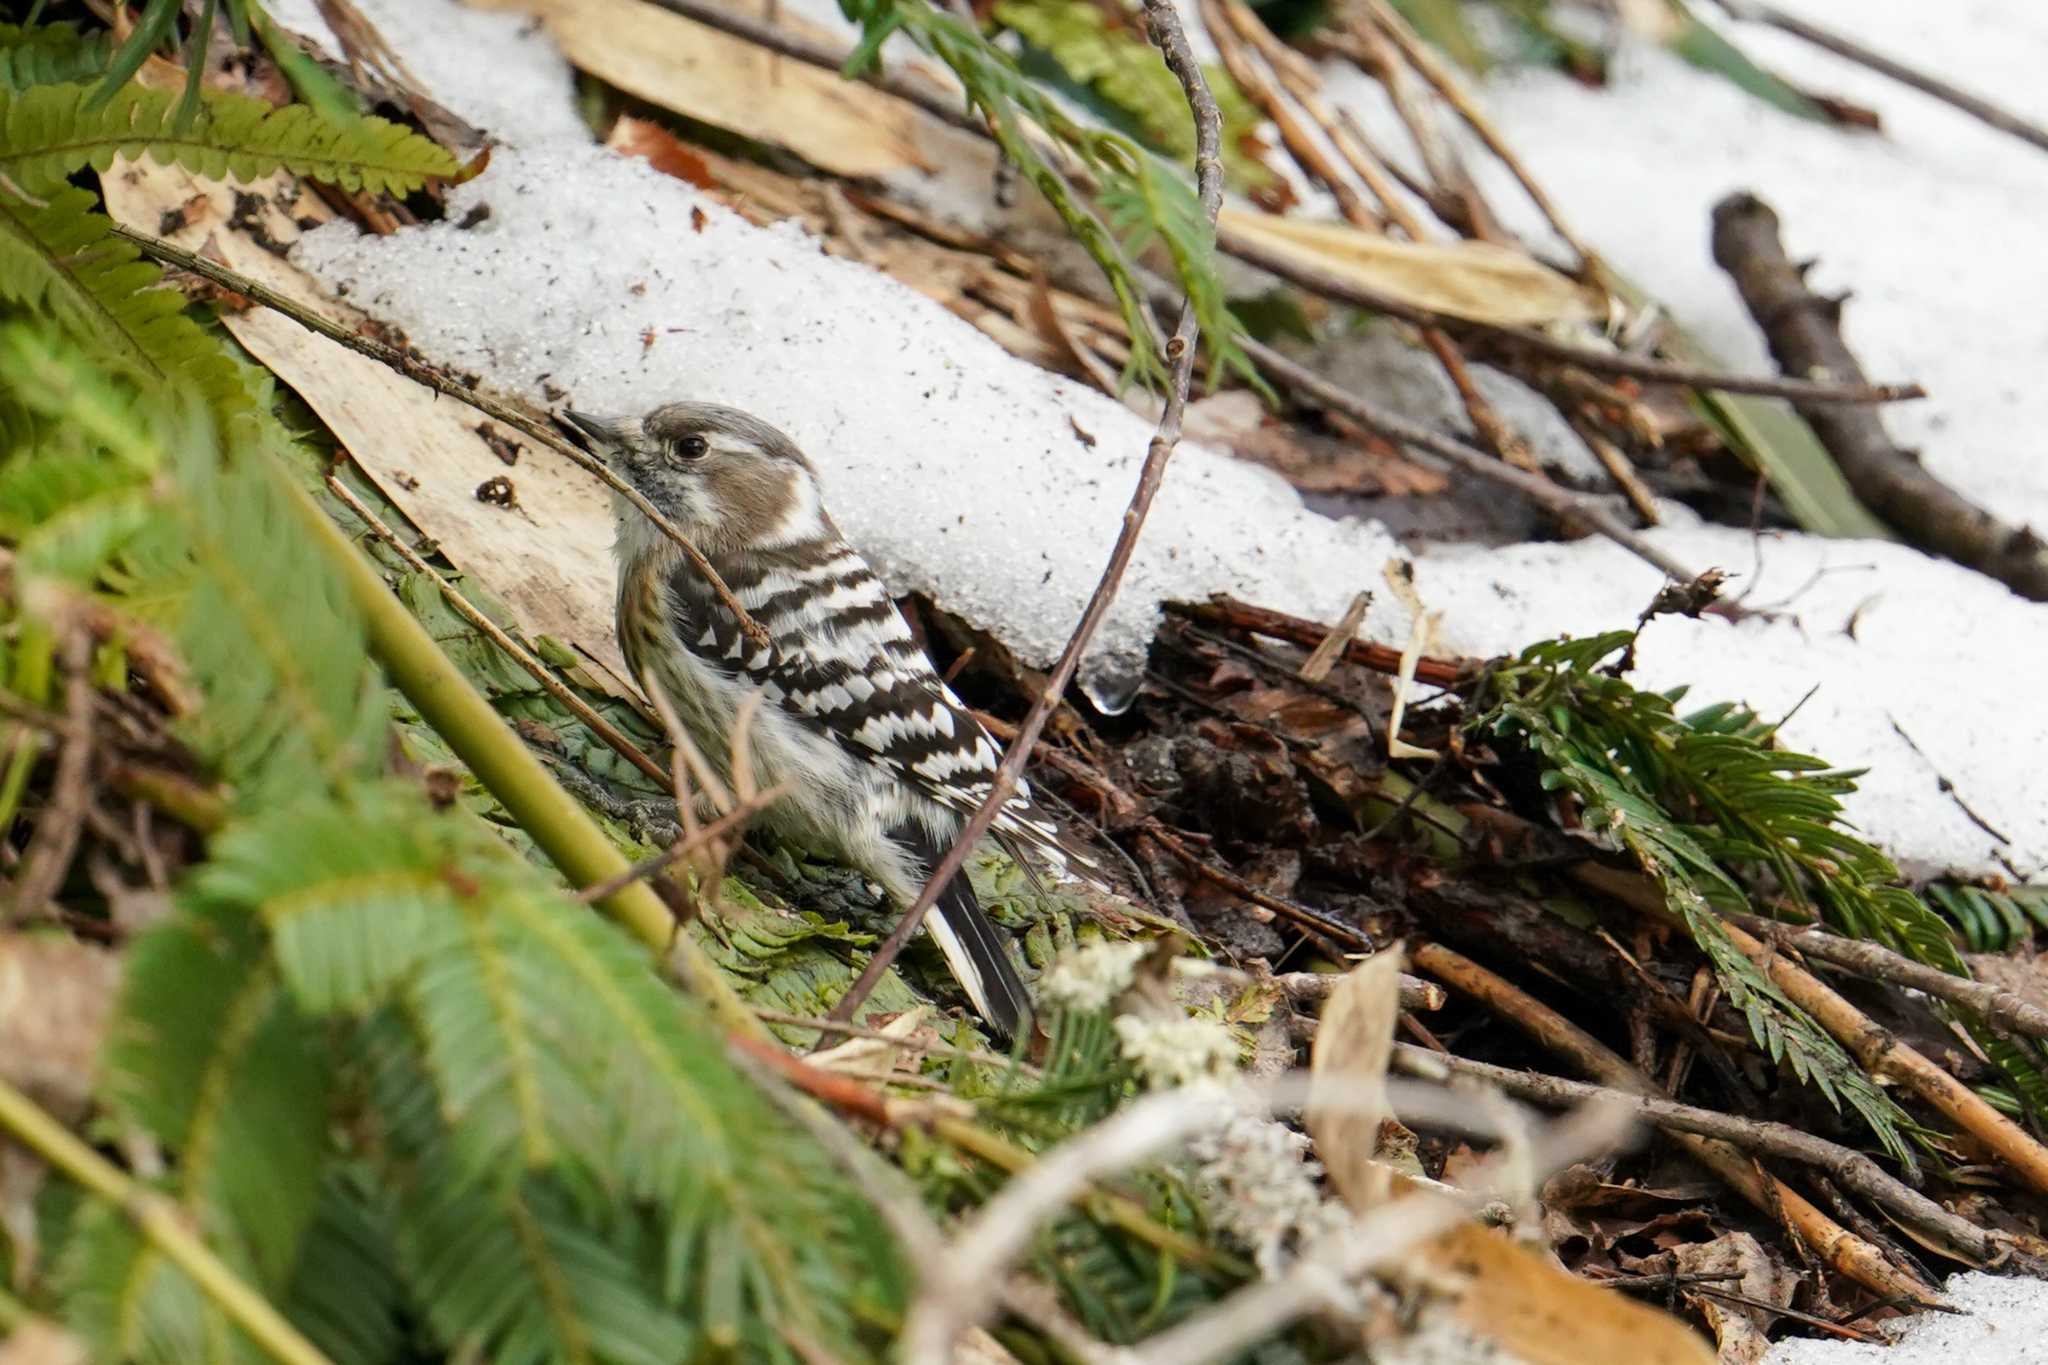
(521, 1271)
(1129, 75)
(1147, 196)
(1692, 807)
(48, 132)
(210, 1056)
(47, 54)
(538, 1045)
(130, 1304)
(345, 1293)
(60, 258)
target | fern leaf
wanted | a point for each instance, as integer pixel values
(61, 259)
(209, 1055)
(47, 54)
(521, 1272)
(130, 1304)
(345, 1293)
(1691, 807)
(529, 1040)
(47, 132)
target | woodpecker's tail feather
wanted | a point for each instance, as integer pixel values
(974, 947)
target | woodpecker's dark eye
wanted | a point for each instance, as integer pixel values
(692, 447)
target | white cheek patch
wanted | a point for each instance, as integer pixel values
(803, 519)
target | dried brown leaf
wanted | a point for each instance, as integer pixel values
(661, 149)
(838, 125)
(1762, 1277)
(1541, 1314)
(1478, 281)
(1353, 1045)
(55, 994)
(39, 1341)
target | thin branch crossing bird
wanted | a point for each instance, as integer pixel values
(885, 765)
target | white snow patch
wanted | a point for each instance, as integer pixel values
(1937, 653)
(1933, 227)
(2004, 1321)
(456, 53)
(958, 468)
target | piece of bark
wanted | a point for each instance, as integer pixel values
(1804, 332)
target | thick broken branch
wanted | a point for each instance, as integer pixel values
(1804, 332)
(1833, 1243)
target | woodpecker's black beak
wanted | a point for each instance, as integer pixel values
(586, 432)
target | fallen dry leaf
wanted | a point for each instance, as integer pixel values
(1541, 1314)
(1353, 1044)
(549, 562)
(55, 995)
(38, 1341)
(661, 149)
(1477, 281)
(688, 68)
(1738, 1327)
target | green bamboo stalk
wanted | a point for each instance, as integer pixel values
(162, 1223)
(502, 762)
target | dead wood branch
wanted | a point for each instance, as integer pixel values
(1853, 1169)
(1875, 1049)
(1232, 614)
(1165, 28)
(1834, 1244)
(1804, 332)
(1875, 962)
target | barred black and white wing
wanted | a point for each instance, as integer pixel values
(842, 657)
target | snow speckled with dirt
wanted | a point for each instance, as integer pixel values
(1934, 227)
(958, 469)
(2004, 1321)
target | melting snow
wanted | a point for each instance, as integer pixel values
(963, 472)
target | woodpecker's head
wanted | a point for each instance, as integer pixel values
(727, 479)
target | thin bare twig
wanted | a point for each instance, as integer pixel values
(1876, 962)
(1560, 502)
(421, 373)
(1313, 921)
(1433, 70)
(729, 823)
(497, 635)
(50, 849)
(1166, 31)
(1849, 49)
(1853, 1169)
